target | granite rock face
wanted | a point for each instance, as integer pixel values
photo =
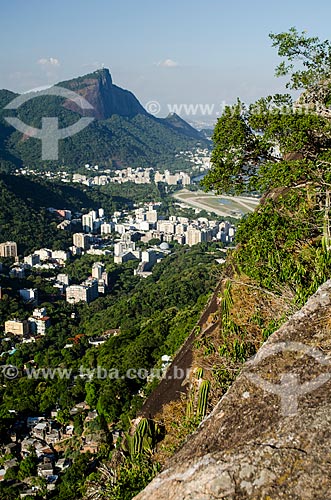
(270, 435)
(106, 98)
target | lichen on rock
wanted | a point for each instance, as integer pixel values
(250, 447)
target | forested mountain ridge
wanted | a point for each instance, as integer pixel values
(122, 133)
(24, 201)
(273, 293)
(24, 219)
(276, 286)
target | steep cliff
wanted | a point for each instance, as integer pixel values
(106, 98)
(122, 132)
(269, 436)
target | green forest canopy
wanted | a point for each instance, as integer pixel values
(282, 149)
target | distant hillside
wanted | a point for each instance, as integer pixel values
(177, 123)
(23, 201)
(207, 133)
(123, 133)
(24, 220)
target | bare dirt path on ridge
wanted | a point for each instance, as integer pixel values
(172, 385)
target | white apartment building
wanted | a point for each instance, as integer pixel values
(39, 322)
(123, 246)
(8, 249)
(87, 222)
(60, 255)
(85, 292)
(81, 240)
(29, 294)
(106, 228)
(97, 270)
(16, 327)
(151, 215)
(44, 253)
(32, 260)
(63, 279)
(166, 226)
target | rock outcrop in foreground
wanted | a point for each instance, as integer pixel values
(270, 436)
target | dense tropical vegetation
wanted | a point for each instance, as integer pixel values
(275, 147)
(282, 149)
(25, 200)
(115, 139)
(152, 317)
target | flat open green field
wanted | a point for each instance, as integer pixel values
(226, 206)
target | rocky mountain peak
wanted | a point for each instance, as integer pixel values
(106, 98)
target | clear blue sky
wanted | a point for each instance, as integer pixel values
(173, 51)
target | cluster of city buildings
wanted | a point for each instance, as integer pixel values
(145, 224)
(197, 159)
(173, 179)
(44, 258)
(142, 235)
(39, 257)
(47, 439)
(89, 290)
(35, 325)
(135, 175)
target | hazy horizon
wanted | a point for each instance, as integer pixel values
(192, 53)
